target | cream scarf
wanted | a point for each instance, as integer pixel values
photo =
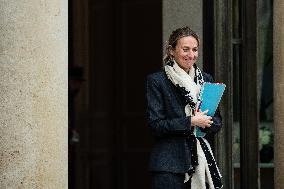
(204, 166)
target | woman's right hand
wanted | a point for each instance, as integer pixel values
(201, 119)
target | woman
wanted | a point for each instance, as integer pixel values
(179, 159)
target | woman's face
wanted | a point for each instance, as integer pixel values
(186, 52)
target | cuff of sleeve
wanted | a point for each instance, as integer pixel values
(183, 125)
(189, 126)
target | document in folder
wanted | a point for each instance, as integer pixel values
(210, 95)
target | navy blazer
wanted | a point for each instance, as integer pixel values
(169, 124)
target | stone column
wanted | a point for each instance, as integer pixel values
(278, 72)
(33, 94)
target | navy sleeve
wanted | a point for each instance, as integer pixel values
(160, 124)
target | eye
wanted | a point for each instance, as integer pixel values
(195, 50)
(185, 50)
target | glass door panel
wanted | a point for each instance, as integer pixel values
(265, 91)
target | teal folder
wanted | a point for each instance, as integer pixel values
(210, 96)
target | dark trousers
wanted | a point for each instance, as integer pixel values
(168, 180)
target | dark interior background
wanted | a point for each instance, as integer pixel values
(113, 45)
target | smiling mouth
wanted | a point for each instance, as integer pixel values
(189, 59)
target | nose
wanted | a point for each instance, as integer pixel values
(190, 54)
